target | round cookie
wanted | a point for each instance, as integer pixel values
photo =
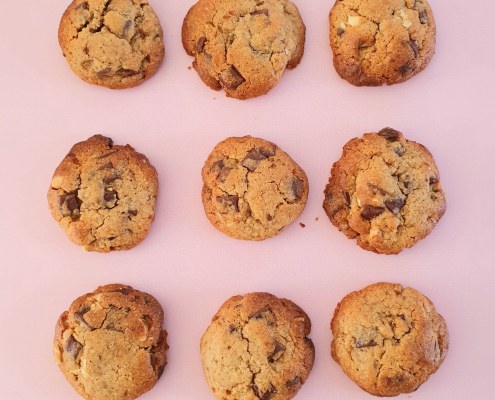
(252, 189)
(243, 46)
(378, 42)
(388, 339)
(385, 191)
(112, 43)
(110, 344)
(103, 195)
(257, 348)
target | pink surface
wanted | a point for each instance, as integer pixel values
(190, 267)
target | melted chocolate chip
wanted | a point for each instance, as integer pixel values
(124, 291)
(107, 154)
(261, 12)
(395, 205)
(360, 345)
(70, 201)
(110, 196)
(229, 201)
(390, 134)
(232, 328)
(84, 6)
(423, 17)
(293, 382)
(297, 188)
(125, 73)
(104, 73)
(370, 212)
(264, 396)
(127, 26)
(278, 350)
(376, 189)
(109, 142)
(340, 31)
(405, 69)
(110, 179)
(259, 314)
(231, 78)
(133, 212)
(348, 198)
(433, 180)
(200, 45)
(73, 347)
(108, 165)
(414, 47)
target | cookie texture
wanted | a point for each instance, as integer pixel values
(378, 42)
(243, 46)
(257, 348)
(385, 192)
(388, 339)
(112, 43)
(103, 195)
(110, 344)
(252, 189)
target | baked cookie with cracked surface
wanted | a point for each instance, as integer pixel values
(252, 189)
(103, 195)
(385, 192)
(388, 339)
(111, 344)
(257, 348)
(112, 43)
(378, 42)
(243, 46)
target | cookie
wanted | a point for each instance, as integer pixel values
(243, 46)
(103, 195)
(252, 189)
(378, 42)
(112, 43)
(385, 192)
(388, 339)
(257, 348)
(110, 344)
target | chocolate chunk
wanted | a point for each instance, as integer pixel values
(70, 201)
(405, 69)
(127, 26)
(376, 189)
(390, 134)
(105, 73)
(297, 188)
(217, 165)
(370, 212)
(433, 180)
(231, 78)
(395, 205)
(109, 142)
(264, 396)
(257, 154)
(125, 73)
(269, 217)
(232, 328)
(124, 291)
(133, 212)
(340, 31)
(108, 165)
(348, 198)
(229, 201)
(261, 12)
(278, 350)
(399, 151)
(73, 347)
(259, 314)
(414, 47)
(200, 46)
(360, 345)
(110, 196)
(293, 382)
(423, 17)
(84, 6)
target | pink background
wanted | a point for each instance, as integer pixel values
(190, 267)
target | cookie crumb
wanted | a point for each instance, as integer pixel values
(302, 225)
(189, 68)
(316, 219)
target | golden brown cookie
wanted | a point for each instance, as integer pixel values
(378, 42)
(110, 344)
(388, 339)
(243, 46)
(385, 192)
(252, 189)
(257, 348)
(103, 195)
(112, 43)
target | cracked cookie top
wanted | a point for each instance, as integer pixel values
(378, 42)
(252, 189)
(110, 344)
(243, 46)
(385, 191)
(388, 339)
(112, 43)
(104, 195)
(257, 348)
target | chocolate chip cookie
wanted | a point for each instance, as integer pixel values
(103, 195)
(110, 344)
(252, 189)
(385, 192)
(388, 339)
(378, 42)
(257, 348)
(243, 46)
(112, 43)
